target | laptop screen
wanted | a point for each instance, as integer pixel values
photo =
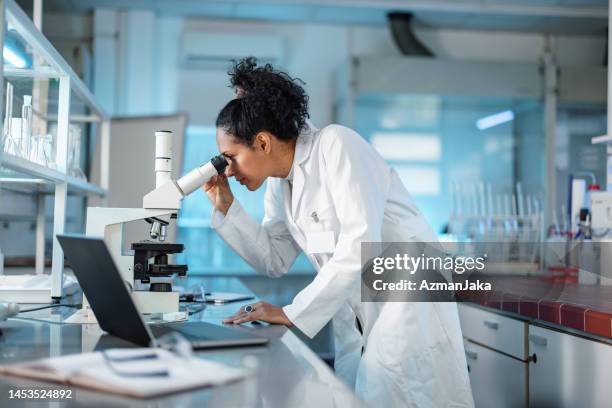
(105, 289)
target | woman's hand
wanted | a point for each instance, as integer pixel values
(261, 311)
(219, 193)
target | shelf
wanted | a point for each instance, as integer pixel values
(83, 187)
(40, 72)
(61, 98)
(33, 37)
(29, 168)
(76, 186)
(601, 139)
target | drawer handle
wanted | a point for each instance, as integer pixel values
(539, 340)
(471, 354)
(491, 325)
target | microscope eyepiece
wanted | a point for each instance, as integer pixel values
(219, 162)
(200, 175)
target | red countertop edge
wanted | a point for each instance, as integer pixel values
(563, 313)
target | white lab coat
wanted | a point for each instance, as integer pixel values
(412, 352)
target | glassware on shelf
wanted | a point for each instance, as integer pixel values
(15, 144)
(74, 152)
(17, 132)
(42, 150)
(26, 126)
(9, 142)
(48, 150)
(34, 155)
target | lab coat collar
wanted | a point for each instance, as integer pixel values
(303, 148)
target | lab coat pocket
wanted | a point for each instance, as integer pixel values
(319, 230)
(320, 242)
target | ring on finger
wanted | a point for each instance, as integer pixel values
(248, 308)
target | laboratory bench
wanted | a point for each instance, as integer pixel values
(287, 372)
(533, 342)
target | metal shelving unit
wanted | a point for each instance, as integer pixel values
(61, 101)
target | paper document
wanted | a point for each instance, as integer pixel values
(134, 372)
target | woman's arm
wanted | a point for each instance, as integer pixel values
(269, 248)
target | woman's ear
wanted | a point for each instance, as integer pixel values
(263, 142)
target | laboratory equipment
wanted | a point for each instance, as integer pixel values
(74, 152)
(144, 269)
(42, 150)
(9, 143)
(8, 309)
(108, 296)
(505, 225)
(17, 131)
(601, 210)
(26, 126)
(160, 206)
(48, 147)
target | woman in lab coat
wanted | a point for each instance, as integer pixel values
(328, 191)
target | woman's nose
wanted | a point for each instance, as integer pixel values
(229, 170)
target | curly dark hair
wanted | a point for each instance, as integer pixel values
(269, 100)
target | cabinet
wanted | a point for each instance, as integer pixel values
(497, 379)
(513, 363)
(495, 353)
(493, 330)
(568, 371)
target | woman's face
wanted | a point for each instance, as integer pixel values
(246, 164)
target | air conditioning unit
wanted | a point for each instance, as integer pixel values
(214, 50)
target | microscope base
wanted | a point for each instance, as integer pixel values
(156, 302)
(146, 302)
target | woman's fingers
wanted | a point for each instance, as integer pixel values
(233, 317)
(223, 184)
(256, 314)
(248, 318)
(210, 184)
(240, 313)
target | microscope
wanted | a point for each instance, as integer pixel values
(145, 269)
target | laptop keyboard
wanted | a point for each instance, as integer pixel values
(206, 335)
(188, 331)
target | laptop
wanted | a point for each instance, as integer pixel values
(116, 311)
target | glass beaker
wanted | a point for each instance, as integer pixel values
(26, 126)
(48, 149)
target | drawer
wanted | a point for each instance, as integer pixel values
(493, 330)
(497, 380)
(568, 371)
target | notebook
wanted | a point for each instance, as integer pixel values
(132, 372)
